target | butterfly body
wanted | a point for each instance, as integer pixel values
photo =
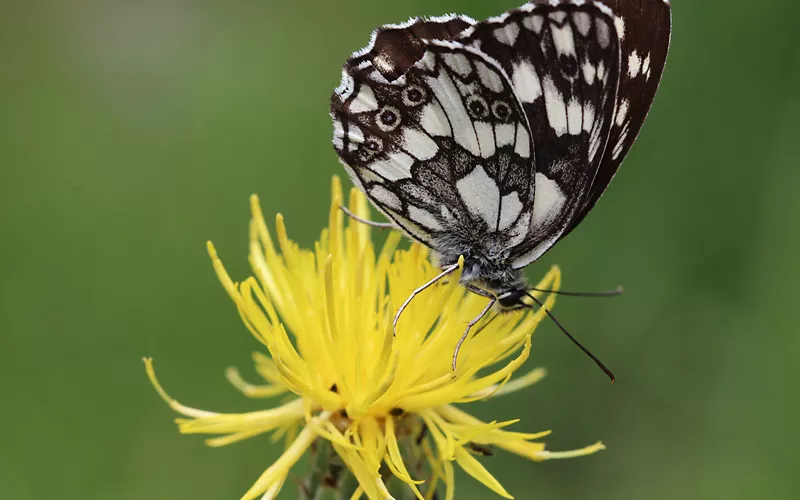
(492, 140)
(487, 263)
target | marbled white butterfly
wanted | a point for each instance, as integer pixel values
(494, 139)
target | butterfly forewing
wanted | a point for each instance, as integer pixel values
(564, 63)
(644, 28)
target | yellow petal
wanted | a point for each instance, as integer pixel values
(223, 423)
(449, 480)
(222, 274)
(523, 448)
(218, 442)
(280, 469)
(272, 492)
(395, 459)
(325, 315)
(474, 468)
(515, 385)
(373, 486)
(183, 410)
(328, 430)
(373, 444)
(588, 450)
(252, 390)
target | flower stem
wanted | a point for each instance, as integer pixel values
(328, 478)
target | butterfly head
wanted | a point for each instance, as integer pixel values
(512, 299)
(496, 278)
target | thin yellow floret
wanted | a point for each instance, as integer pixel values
(325, 317)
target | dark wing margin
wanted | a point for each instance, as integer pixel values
(644, 28)
(395, 48)
(563, 59)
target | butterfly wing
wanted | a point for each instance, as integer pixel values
(644, 29)
(563, 59)
(444, 149)
(575, 80)
(395, 48)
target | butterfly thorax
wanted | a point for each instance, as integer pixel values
(485, 269)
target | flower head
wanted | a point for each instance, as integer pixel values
(387, 405)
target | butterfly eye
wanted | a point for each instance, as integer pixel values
(477, 107)
(388, 118)
(501, 111)
(413, 95)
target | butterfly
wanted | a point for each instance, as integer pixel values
(492, 140)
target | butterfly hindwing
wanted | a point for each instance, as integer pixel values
(444, 150)
(564, 62)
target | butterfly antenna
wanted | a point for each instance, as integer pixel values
(573, 339)
(605, 293)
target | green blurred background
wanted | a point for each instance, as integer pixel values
(133, 131)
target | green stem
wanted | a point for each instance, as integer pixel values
(328, 478)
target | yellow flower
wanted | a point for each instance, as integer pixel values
(325, 316)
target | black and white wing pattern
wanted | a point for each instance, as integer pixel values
(444, 150)
(395, 48)
(643, 28)
(564, 62)
(499, 136)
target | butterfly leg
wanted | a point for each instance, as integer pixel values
(479, 291)
(381, 225)
(419, 290)
(470, 325)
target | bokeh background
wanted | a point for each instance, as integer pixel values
(132, 132)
